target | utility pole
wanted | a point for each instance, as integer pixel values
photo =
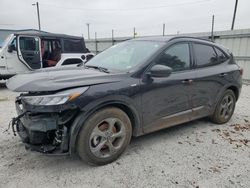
(113, 37)
(134, 32)
(96, 45)
(163, 29)
(212, 31)
(38, 14)
(88, 30)
(235, 9)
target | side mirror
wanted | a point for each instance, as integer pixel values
(11, 48)
(89, 56)
(83, 57)
(160, 71)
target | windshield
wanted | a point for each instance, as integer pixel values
(125, 56)
(5, 42)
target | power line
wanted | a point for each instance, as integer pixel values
(129, 9)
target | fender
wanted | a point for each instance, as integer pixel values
(89, 109)
(220, 95)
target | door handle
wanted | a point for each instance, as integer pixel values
(222, 74)
(187, 81)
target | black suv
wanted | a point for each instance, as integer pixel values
(133, 88)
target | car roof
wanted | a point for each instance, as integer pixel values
(153, 38)
(171, 38)
(43, 34)
(166, 39)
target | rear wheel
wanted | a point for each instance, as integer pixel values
(225, 108)
(104, 136)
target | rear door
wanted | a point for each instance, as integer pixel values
(210, 77)
(29, 48)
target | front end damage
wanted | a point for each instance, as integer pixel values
(44, 128)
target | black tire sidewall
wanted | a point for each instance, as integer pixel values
(83, 148)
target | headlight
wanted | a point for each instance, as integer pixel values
(55, 99)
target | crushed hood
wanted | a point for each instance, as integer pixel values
(53, 79)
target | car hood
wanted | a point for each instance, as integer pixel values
(54, 79)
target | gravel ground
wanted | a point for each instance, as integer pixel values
(195, 154)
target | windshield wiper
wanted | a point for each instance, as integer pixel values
(102, 69)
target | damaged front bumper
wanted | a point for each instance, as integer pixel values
(44, 130)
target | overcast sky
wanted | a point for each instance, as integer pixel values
(70, 17)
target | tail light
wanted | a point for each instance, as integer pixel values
(241, 71)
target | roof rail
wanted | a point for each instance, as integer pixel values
(200, 38)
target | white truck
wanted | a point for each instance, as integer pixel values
(29, 51)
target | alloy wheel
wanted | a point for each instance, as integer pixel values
(107, 137)
(226, 107)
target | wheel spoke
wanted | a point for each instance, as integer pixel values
(97, 132)
(97, 150)
(223, 112)
(111, 147)
(224, 105)
(121, 133)
(111, 122)
(227, 99)
(229, 109)
(117, 135)
(229, 103)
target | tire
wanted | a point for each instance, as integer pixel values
(104, 136)
(224, 108)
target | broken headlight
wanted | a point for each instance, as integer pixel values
(55, 99)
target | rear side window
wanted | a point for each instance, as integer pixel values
(72, 61)
(74, 46)
(205, 55)
(177, 57)
(221, 56)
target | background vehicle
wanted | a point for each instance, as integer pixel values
(133, 88)
(28, 51)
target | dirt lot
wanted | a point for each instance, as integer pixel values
(196, 154)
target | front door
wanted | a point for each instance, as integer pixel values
(29, 51)
(13, 63)
(166, 100)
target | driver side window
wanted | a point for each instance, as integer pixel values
(176, 57)
(29, 44)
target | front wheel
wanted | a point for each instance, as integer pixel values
(225, 108)
(104, 136)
